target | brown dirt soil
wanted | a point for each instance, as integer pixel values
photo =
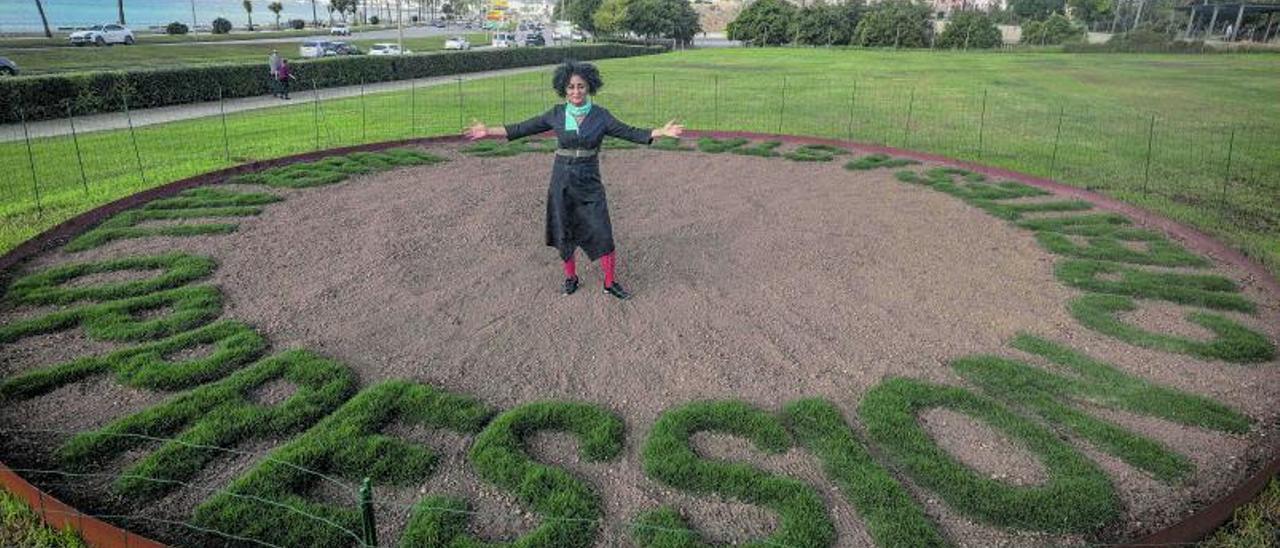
(757, 279)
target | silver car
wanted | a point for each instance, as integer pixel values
(101, 35)
(8, 67)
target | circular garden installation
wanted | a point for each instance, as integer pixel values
(828, 345)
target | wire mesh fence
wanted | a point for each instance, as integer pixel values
(1209, 172)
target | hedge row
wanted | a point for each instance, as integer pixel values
(46, 97)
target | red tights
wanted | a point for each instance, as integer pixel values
(607, 264)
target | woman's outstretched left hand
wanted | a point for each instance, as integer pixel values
(672, 129)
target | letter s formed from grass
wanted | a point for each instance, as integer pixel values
(669, 458)
(570, 509)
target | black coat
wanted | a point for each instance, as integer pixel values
(577, 211)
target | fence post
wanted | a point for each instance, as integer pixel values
(413, 105)
(364, 129)
(653, 97)
(222, 108)
(71, 116)
(1146, 173)
(715, 104)
(461, 111)
(782, 107)
(137, 155)
(1226, 176)
(853, 98)
(906, 130)
(315, 111)
(1053, 162)
(982, 122)
(31, 159)
(366, 513)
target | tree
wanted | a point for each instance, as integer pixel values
(895, 23)
(221, 26)
(828, 24)
(276, 8)
(1091, 11)
(673, 19)
(763, 23)
(176, 27)
(120, 9)
(1037, 10)
(343, 7)
(611, 16)
(43, 19)
(1054, 30)
(315, 21)
(581, 12)
(970, 29)
(248, 8)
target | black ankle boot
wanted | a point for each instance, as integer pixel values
(570, 285)
(617, 291)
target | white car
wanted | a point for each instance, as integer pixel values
(314, 47)
(387, 49)
(504, 40)
(340, 30)
(101, 35)
(457, 42)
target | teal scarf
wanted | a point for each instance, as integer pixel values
(571, 114)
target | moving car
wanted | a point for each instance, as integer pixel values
(340, 30)
(535, 39)
(504, 40)
(341, 48)
(439, 23)
(8, 67)
(314, 47)
(457, 42)
(386, 49)
(101, 35)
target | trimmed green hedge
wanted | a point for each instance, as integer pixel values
(46, 97)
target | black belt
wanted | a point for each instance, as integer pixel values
(576, 152)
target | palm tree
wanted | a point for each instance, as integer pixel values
(315, 22)
(248, 8)
(120, 8)
(44, 20)
(276, 7)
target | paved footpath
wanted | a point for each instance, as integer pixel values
(160, 115)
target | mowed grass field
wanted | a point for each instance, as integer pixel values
(1194, 137)
(52, 60)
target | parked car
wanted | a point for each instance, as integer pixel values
(504, 40)
(535, 39)
(101, 35)
(340, 30)
(314, 47)
(439, 23)
(8, 67)
(386, 49)
(341, 48)
(457, 42)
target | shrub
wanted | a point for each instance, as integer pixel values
(373, 20)
(828, 25)
(45, 97)
(764, 23)
(221, 26)
(898, 24)
(176, 28)
(297, 24)
(970, 29)
(1057, 29)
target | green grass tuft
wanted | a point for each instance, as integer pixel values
(1159, 252)
(878, 161)
(1232, 342)
(717, 146)
(493, 149)
(220, 414)
(20, 526)
(148, 365)
(815, 153)
(346, 444)
(570, 508)
(1208, 291)
(670, 143)
(763, 149)
(1014, 212)
(1077, 497)
(614, 143)
(115, 321)
(212, 197)
(670, 459)
(892, 517)
(199, 203)
(46, 287)
(1052, 397)
(336, 169)
(664, 528)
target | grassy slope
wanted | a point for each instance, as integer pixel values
(70, 59)
(19, 526)
(932, 101)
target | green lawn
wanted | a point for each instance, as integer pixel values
(1211, 159)
(70, 59)
(20, 526)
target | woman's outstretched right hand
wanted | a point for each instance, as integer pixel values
(476, 131)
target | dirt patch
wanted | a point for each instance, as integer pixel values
(982, 448)
(1167, 319)
(113, 277)
(36, 351)
(756, 279)
(272, 393)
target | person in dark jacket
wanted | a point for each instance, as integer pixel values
(577, 211)
(283, 76)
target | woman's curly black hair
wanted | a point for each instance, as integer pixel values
(586, 71)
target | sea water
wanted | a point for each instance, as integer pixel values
(20, 16)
